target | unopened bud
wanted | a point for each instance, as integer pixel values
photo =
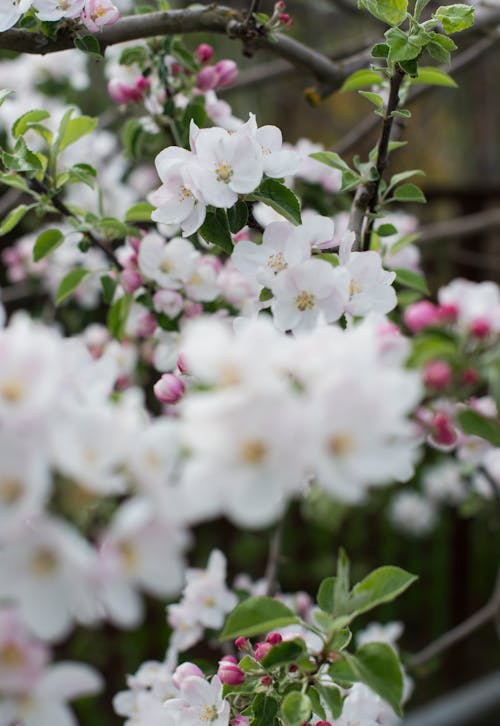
(227, 71)
(169, 389)
(204, 52)
(185, 670)
(480, 328)
(274, 638)
(437, 374)
(261, 650)
(229, 672)
(266, 680)
(420, 315)
(207, 78)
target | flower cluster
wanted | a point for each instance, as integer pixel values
(93, 14)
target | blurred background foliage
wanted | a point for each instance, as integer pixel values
(454, 135)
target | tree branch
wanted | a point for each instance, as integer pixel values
(461, 631)
(366, 197)
(214, 19)
(460, 227)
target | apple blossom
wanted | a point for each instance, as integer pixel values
(169, 264)
(57, 9)
(199, 702)
(98, 13)
(12, 11)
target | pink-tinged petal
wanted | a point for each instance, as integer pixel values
(270, 138)
(169, 158)
(66, 681)
(277, 234)
(281, 163)
(197, 691)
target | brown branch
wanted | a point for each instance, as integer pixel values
(66, 212)
(366, 197)
(368, 125)
(460, 227)
(460, 632)
(214, 19)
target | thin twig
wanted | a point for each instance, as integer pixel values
(355, 136)
(460, 632)
(254, 8)
(66, 212)
(273, 559)
(366, 197)
(460, 227)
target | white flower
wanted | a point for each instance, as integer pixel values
(47, 571)
(56, 9)
(207, 591)
(474, 301)
(364, 706)
(277, 162)
(281, 248)
(177, 200)
(201, 702)
(378, 633)
(226, 165)
(46, 703)
(370, 288)
(202, 284)
(149, 688)
(412, 514)
(129, 560)
(444, 483)
(308, 293)
(169, 264)
(11, 12)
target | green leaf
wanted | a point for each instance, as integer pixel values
(340, 640)
(280, 198)
(88, 44)
(4, 95)
(117, 316)
(109, 285)
(257, 615)
(401, 113)
(404, 241)
(296, 708)
(473, 423)
(70, 282)
(342, 583)
(382, 585)
(46, 242)
(440, 47)
(398, 178)
(237, 216)
(15, 181)
(420, 5)
(455, 18)
(377, 665)
(76, 129)
(380, 50)
(330, 158)
(409, 193)
(288, 651)
(386, 230)
(412, 279)
(183, 56)
(374, 98)
(140, 212)
(316, 704)
(215, 229)
(136, 54)
(14, 217)
(264, 710)
(392, 12)
(23, 123)
(360, 79)
(333, 699)
(403, 47)
(326, 594)
(434, 77)
(132, 136)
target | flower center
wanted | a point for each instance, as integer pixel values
(12, 391)
(44, 562)
(166, 266)
(223, 172)
(354, 288)
(129, 556)
(277, 262)
(341, 445)
(11, 490)
(304, 300)
(184, 193)
(12, 656)
(208, 713)
(253, 451)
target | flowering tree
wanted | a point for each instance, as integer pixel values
(243, 325)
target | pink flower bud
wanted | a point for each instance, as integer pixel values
(470, 377)
(227, 71)
(266, 680)
(183, 368)
(241, 643)
(122, 93)
(146, 325)
(323, 723)
(281, 5)
(207, 78)
(274, 638)
(240, 721)
(447, 313)
(437, 374)
(285, 19)
(480, 328)
(193, 310)
(142, 84)
(204, 53)
(130, 280)
(169, 302)
(169, 389)
(185, 670)
(293, 668)
(135, 243)
(261, 650)
(175, 68)
(444, 435)
(420, 315)
(230, 673)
